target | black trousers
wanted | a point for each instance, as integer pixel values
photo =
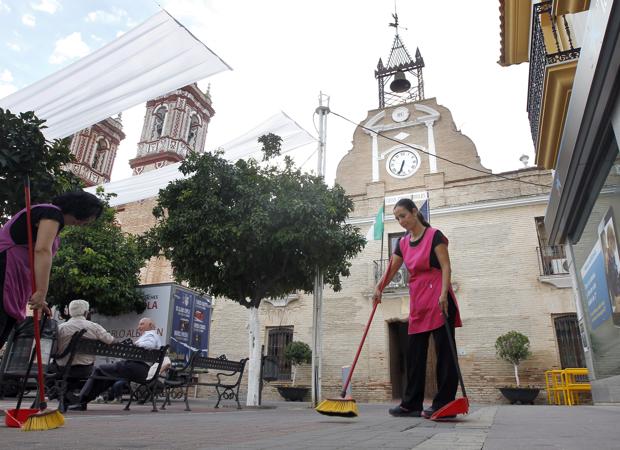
(7, 323)
(127, 370)
(447, 377)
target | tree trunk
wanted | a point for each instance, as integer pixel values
(294, 370)
(517, 374)
(254, 355)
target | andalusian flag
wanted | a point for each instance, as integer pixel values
(375, 232)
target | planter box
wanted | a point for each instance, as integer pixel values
(293, 393)
(520, 394)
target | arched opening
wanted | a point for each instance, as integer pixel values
(159, 118)
(192, 132)
(100, 154)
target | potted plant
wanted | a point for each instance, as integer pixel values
(514, 347)
(296, 353)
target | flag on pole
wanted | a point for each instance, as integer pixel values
(375, 232)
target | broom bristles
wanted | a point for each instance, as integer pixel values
(45, 420)
(342, 407)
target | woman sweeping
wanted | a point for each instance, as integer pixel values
(424, 250)
(72, 208)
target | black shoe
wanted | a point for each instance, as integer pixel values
(399, 411)
(428, 412)
(78, 407)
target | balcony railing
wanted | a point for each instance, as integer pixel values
(552, 260)
(400, 280)
(540, 58)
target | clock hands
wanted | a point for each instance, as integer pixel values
(401, 167)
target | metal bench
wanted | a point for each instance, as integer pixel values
(227, 384)
(81, 345)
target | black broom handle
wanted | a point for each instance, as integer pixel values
(453, 349)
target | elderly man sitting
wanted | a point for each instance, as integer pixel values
(82, 365)
(122, 370)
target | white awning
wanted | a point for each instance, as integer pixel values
(147, 185)
(156, 57)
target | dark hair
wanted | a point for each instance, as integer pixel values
(80, 204)
(409, 205)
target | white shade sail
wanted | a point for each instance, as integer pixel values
(147, 185)
(156, 57)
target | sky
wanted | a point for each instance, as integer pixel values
(285, 52)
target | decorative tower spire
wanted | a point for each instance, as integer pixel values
(398, 71)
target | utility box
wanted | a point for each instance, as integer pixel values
(182, 317)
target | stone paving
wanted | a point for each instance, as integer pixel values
(296, 426)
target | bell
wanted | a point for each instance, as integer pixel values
(400, 83)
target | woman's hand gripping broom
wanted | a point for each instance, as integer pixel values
(343, 406)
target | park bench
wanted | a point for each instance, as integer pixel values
(80, 345)
(228, 376)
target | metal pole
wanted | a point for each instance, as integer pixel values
(322, 112)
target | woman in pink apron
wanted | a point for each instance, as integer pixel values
(424, 251)
(72, 208)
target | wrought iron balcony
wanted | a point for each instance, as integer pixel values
(400, 280)
(556, 33)
(552, 260)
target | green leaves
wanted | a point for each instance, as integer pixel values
(24, 151)
(513, 347)
(248, 232)
(100, 264)
(298, 352)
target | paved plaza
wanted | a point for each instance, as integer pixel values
(284, 425)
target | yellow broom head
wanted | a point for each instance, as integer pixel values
(342, 407)
(45, 420)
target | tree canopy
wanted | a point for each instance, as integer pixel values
(101, 264)
(248, 231)
(24, 151)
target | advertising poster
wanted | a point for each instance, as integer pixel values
(191, 317)
(609, 244)
(595, 285)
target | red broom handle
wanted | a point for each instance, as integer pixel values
(35, 314)
(359, 349)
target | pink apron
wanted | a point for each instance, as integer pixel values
(17, 288)
(424, 285)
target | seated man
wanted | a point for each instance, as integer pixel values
(82, 365)
(126, 370)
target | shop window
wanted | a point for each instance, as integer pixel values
(277, 340)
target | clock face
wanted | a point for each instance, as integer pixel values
(400, 114)
(403, 163)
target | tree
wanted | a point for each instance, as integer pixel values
(296, 353)
(247, 231)
(513, 347)
(100, 264)
(24, 151)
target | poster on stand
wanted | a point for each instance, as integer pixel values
(191, 317)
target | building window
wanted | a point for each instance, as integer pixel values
(158, 122)
(551, 258)
(192, 133)
(100, 154)
(568, 336)
(277, 340)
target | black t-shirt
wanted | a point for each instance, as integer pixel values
(18, 229)
(439, 238)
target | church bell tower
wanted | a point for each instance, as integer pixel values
(174, 125)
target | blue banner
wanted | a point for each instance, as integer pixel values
(595, 287)
(191, 319)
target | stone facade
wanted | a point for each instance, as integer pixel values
(493, 247)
